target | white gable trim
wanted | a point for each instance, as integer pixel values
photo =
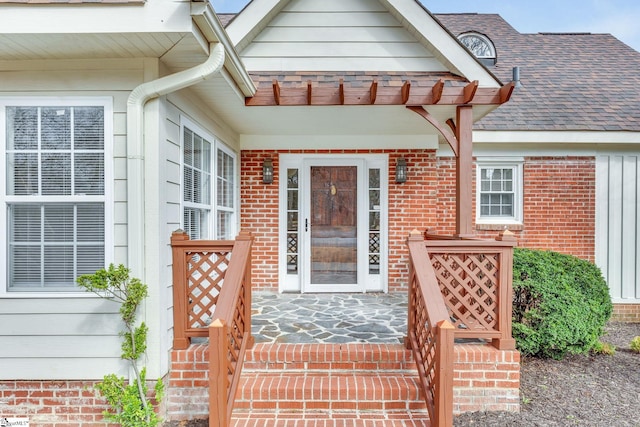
(251, 20)
(447, 49)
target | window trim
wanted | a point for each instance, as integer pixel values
(108, 197)
(517, 165)
(216, 145)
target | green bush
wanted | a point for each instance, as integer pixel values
(635, 344)
(561, 303)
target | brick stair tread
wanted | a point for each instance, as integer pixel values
(318, 386)
(331, 420)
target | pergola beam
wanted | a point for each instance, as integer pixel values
(309, 93)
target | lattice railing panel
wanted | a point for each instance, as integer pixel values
(205, 277)
(469, 283)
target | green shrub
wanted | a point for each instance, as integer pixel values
(635, 344)
(561, 303)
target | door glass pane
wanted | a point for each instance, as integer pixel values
(293, 212)
(334, 224)
(374, 221)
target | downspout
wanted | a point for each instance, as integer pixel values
(135, 146)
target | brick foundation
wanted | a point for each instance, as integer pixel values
(626, 313)
(486, 379)
(52, 403)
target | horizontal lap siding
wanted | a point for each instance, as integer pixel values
(617, 237)
(71, 337)
(337, 35)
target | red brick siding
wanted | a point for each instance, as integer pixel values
(559, 201)
(559, 206)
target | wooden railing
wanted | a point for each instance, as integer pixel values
(457, 289)
(430, 334)
(475, 278)
(212, 297)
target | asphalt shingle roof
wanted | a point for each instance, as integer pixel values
(571, 82)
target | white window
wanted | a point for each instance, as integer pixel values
(203, 159)
(499, 191)
(55, 198)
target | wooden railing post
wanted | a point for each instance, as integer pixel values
(180, 303)
(218, 375)
(506, 340)
(445, 334)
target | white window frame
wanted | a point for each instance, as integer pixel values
(107, 198)
(516, 164)
(214, 208)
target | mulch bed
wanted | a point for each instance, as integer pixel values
(586, 390)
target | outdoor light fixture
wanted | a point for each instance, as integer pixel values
(401, 170)
(267, 171)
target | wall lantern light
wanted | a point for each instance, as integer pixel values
(267, 171)
(401, 170)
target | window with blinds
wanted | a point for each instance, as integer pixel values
(54, 195)
(208, 213)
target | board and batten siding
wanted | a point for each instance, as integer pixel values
(337, 35)
(617, 224)
(70, 337)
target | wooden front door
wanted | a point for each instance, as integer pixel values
(333, 229)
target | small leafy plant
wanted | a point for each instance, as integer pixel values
(604, 348)
(129, 401)
(635, 344)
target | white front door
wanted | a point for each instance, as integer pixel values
(333, 223)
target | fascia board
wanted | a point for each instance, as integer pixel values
(443, 44)
(207, 21)
(251, 20)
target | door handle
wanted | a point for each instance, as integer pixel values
(306, 224)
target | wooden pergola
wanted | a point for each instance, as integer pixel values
(457, 131)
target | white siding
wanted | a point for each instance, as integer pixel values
(75, 336)
(337, 35)
(617, 216)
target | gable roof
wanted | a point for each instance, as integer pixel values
(408, 15)
(570, 82)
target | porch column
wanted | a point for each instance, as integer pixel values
(464, 171)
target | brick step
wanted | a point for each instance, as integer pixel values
(347, 420)
(338, 384)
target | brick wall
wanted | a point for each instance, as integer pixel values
(485, 379)
(52, 403)
(61, 403)
(559, 207)
(626, 313)
(188, 389)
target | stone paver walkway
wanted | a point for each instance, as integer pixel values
(329, 318)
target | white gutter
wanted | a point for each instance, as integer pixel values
(135, 146)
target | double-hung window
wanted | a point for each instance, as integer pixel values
(499, 191)
(54, 191)
(209, 202)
